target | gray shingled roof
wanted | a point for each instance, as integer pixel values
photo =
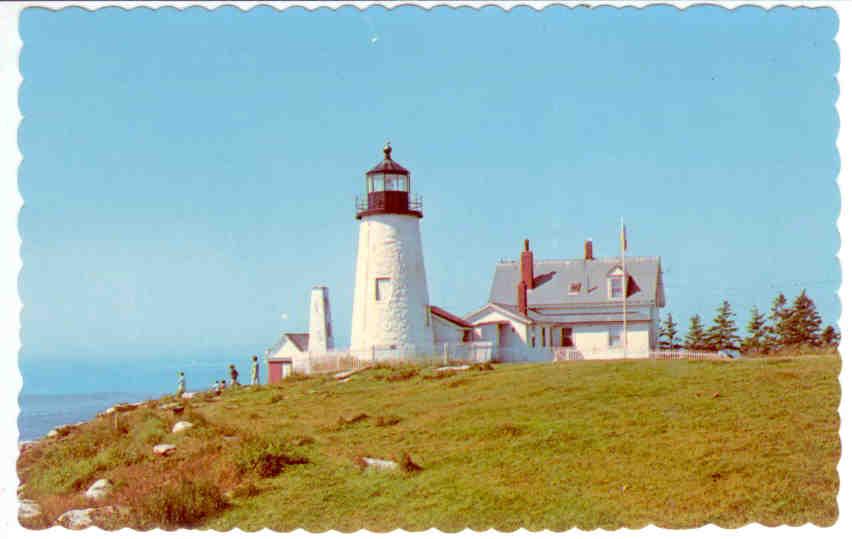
(299, 339)
(553, 280)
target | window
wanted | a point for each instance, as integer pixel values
(377, 183)
(382, 289)
(616, 288)
(567, 339)
(615, 333)
(574, 288)
(543, 337)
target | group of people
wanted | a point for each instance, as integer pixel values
(219, 385)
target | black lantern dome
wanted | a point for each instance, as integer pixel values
(389, 190)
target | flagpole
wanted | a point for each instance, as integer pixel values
(623, 239)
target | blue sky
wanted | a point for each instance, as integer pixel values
(189, 175)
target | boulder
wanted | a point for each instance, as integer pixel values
(346, 374)
(164, 449)
(76, 519)
(63, 430)
(171, 406)
(453, 368)
(181, 426)
(99, 490)
(25, 444)
(187, 395)
(378, 464)
(28, 509)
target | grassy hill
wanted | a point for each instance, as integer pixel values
(540, 446)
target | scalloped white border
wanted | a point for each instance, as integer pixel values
(10, 261)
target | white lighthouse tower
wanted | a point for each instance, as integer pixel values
(391, 305)
(320, 337)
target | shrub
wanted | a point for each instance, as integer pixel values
(265, 458)
(184, 504)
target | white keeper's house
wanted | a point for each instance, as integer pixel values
(571, 308)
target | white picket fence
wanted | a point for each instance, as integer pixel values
(682, 354)
(450, 353)
(440, 354)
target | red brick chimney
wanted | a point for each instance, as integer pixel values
(522, 298)
(588, 252)
(527, 266)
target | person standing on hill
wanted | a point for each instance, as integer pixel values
(181, 384)
(234, 376)
(255, 371)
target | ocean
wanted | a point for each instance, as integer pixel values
(61, 392)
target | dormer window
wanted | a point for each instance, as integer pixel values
(616, 287)
(615, 284)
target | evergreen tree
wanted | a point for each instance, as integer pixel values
(803, 322)
(758, 337)
(668, 334)
(722, 335)
(695, 339)
(830, 337)
(779, 315)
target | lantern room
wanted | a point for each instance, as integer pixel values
(388, 190)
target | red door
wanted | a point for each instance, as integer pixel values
(274, 369)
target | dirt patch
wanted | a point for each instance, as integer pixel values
(409, 466)
(509, 430)
(438, 375)
(357, 418)
(459, 382)
(387, 421)
(481, 367)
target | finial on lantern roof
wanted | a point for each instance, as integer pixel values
(387, 149)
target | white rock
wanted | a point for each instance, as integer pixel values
(99, 490)
(346, 374)
(23, 445)
(164, 449)
(53, 433)
(186, 395)
(28, 509)
(181, 426)
(379, 464)
(76, 519)
(453, 368)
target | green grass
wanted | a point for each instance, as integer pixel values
(541, 446)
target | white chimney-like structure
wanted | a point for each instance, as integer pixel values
(391, 303)
(320, 338)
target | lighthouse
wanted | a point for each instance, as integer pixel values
(390, 309)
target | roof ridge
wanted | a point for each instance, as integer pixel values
(642, 258)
